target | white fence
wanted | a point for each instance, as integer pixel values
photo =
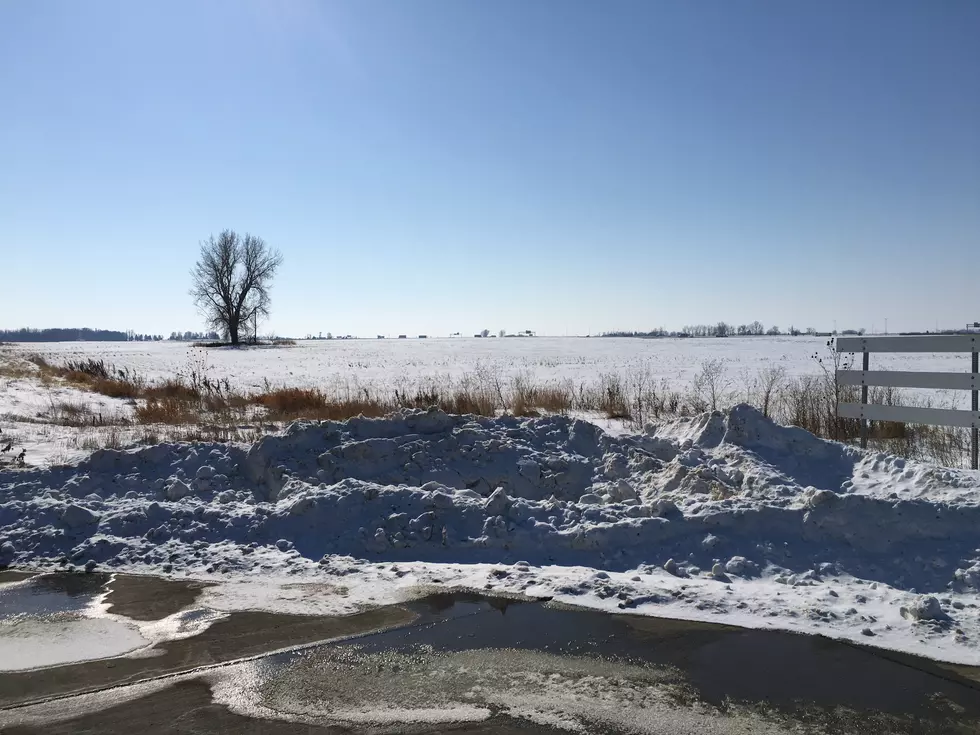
(966, 343)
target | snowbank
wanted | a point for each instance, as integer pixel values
(725, 517)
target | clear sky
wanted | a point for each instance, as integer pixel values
(432, 166)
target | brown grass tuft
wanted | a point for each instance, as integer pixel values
(165, 410)
(288, 404)
(172, 388)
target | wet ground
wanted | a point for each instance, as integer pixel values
(463, 663)
(149, 598)
(238, 635)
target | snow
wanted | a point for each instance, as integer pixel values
(386, 365)
(722, 517)
(32, 416)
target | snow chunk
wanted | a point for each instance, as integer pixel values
(75, 516)
(7, 554)
(739, 565)
(924, 608)
(622, 490)
(497, 503)
(178, 489)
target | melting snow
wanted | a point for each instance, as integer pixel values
(722, 517)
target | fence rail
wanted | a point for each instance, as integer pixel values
(930, 343)
(902, 379)
(910, 415)
(865, 412)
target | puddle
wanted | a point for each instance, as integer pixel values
(14, 575)
(591, 667)
(47, 620)
(50, 594)
(188, 707)
(237, 635)
(483, 664)
(54, 619)
(151, 598)
(30, 643)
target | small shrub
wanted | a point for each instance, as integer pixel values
(111, 387)
(292, 400)
(165, 410)
(463, 401)
(711, 386)
(288, 404)
(423, 398)
(554, 398)
(91, 367)
(613, 401)
(173, 388)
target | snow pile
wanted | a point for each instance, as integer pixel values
(720, 515)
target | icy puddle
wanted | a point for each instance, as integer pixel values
(473, 659)
(469, 663)
(54, 619)
(155, 628)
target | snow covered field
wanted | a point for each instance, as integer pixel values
(722, 517)
(725, 517)
(405, 364)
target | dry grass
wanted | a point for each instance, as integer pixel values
(172, 388)
(111, 438)
(165, 410)
(287, 404)
(613, 400)
(17, 370)
(92, 375)
(194, 407)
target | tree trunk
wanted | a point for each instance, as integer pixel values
(233, 331)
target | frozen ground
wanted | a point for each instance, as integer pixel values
(391, 364)
(724, 517)
(50, 620)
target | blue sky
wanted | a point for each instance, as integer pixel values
(442, 165)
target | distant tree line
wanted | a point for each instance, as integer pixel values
(194, 336)
(133, 337)
(723, 329)
(84, 334)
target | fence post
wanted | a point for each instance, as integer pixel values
(864, 400)
(973, 447)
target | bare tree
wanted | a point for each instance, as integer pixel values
(710, 386)
(834, 392)
(770, 378)
(231, 282)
